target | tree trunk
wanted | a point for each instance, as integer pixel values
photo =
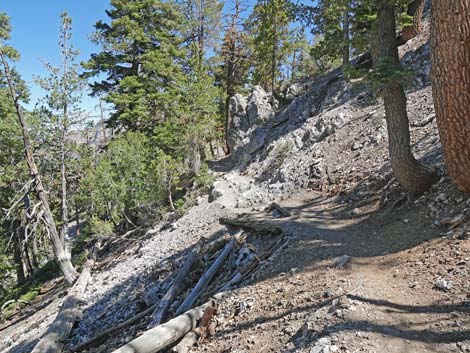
(409, 172)
(35, 251)
(228, 123)
(170, 197)
(345, 62)
(63, 182)
(64, 261)
(20, 275)
(450, 43)
(177, 287)
(415, 9)
(207, 277)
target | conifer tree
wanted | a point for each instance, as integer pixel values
(64, 88)
(269, 27)
(141, 59)
(411, 174)
(234, 61)
(7, 54)
(450, 56)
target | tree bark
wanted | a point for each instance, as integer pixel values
(207, 277)
(64, 261)
(177, 287)
(450, 43)
(412, 175)
(345, 62)
(415, 9)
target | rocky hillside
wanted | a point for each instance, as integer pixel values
(367, 267)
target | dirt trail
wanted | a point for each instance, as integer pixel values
(352, 284)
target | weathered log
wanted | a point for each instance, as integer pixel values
(54, 339)
(113, 329)
(208, 276)
(281, 210)
(166, 334)
(249, 222)
(177, 287)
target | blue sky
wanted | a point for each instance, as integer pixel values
(36, 33)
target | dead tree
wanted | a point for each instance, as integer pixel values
(62, 258)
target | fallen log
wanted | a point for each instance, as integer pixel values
(54, 339)
(177, 287)
(113, 329)
(208, 275)
(249, 222)
(168, 333)
(280, 209)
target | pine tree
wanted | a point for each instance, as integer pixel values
(141, 59)
(234, 63)
(269, 27)
(64, 88)
(8, 53)
(412, 175)
(450, 43)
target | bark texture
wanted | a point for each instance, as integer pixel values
(412, 175)
(415, 9)
(450, 43)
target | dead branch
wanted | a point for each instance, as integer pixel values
(177, 287)
(207, 277)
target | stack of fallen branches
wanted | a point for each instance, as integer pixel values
(209, 269)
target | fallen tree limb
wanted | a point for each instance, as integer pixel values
(54, 339)
(280, 209)
(113, 329)
(164, 335)
(208, 276)
(177, 287)
(249, 222)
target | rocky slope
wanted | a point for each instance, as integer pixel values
(368, 268)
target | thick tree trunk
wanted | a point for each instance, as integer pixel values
(64, 261)
(20, 275)
(228, 123)
(415, 9)
(345, 62)
(450, 43)
(409, 172)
